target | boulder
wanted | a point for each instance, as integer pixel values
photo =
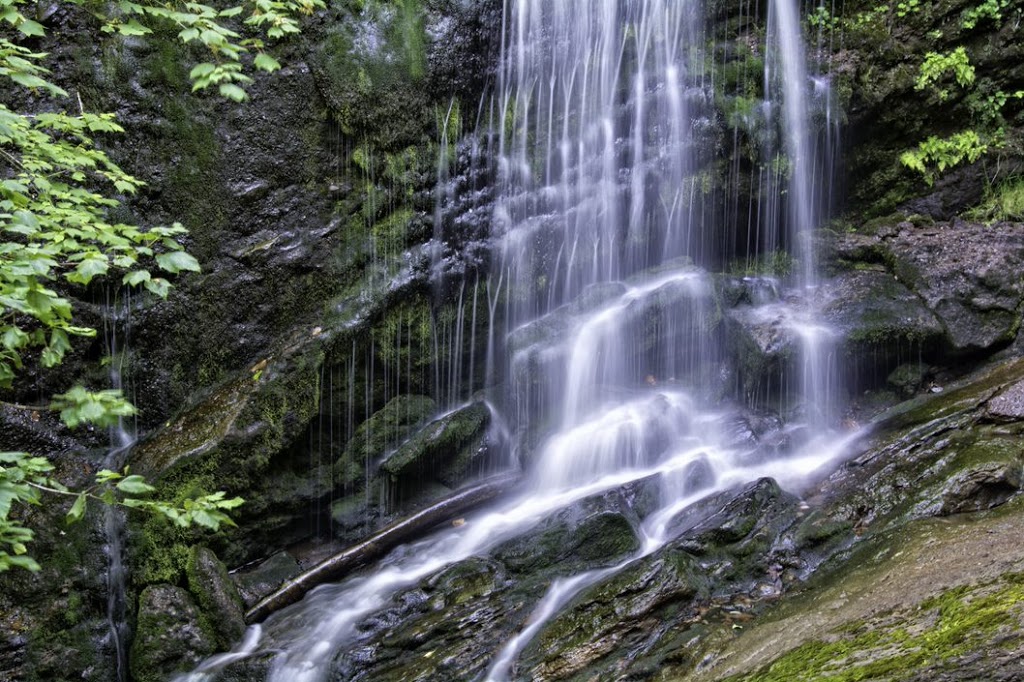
(967, 274)
(171, 636)
(447, 448)
(881, 321)
(381, 434)
(216, 595)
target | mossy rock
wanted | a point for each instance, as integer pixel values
(613, 614)
(171, 637)
(574, 538)
(445, 448)
(384, 431)
(256, 583)
(216, 595)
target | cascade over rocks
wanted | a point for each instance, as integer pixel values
(326, 367)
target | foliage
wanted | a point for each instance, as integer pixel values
(1005, 201)
(988, 9)
(822, 18)
(57, 193)
(23, 480)
(936, 66)
(907, 7)
(938, 154)
(198, 24)
(985, 102)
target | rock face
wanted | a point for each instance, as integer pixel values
(171, 635)
(966, 274)
(307, 209)
(217, 596)
(903, 292)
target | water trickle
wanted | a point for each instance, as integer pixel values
(117, 335)
(609, 226)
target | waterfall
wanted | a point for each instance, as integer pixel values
(116, 332)
(609, 240)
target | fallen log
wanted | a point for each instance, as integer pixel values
(397, 533)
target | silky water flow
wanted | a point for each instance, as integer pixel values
(606, 242)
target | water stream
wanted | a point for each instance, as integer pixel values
(606, 245)
(117, 329)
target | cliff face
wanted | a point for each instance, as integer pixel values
(308, 208)
(322, 322)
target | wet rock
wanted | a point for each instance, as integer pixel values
(171, 636)
(729, 548)
(256, 583)
(966, 273)
(759, 511)
(576, 538)
(216, 595)
(879, 320)
(444, 629)
(763, 345)
(907, 379)
(984, 487)
(1008, 405)
(447, 448)
(615, 615)
(384, 431)
(197, 430)
(551, 329)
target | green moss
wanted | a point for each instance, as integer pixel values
(445, 446)
(773, 263)
(954, 623)
(385, 430)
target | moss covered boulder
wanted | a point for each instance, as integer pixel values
(216, 596)
(172, 636)
(446, 449)
(384, 431)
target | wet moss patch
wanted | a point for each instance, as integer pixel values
(945, 627)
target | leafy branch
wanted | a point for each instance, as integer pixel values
(24, 480)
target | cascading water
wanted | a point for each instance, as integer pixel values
(117, 329)
(606, 241)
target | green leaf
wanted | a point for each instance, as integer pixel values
(94, 265)
(77, 510)
(201, 70)
(133, 28)
(233, 92)
(136, 277)
(134, 485)
(176, 261)
(206, 519)
(31, 28)
(106, 476)
(158, 286)
(264, 62)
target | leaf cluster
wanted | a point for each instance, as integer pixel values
(983, 100)
(24, 480)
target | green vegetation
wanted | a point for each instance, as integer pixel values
(57, 229)
(936, 66)
(958, 622)
(24, 479)
(936, 154)
(1004, 201)
(988, 10)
